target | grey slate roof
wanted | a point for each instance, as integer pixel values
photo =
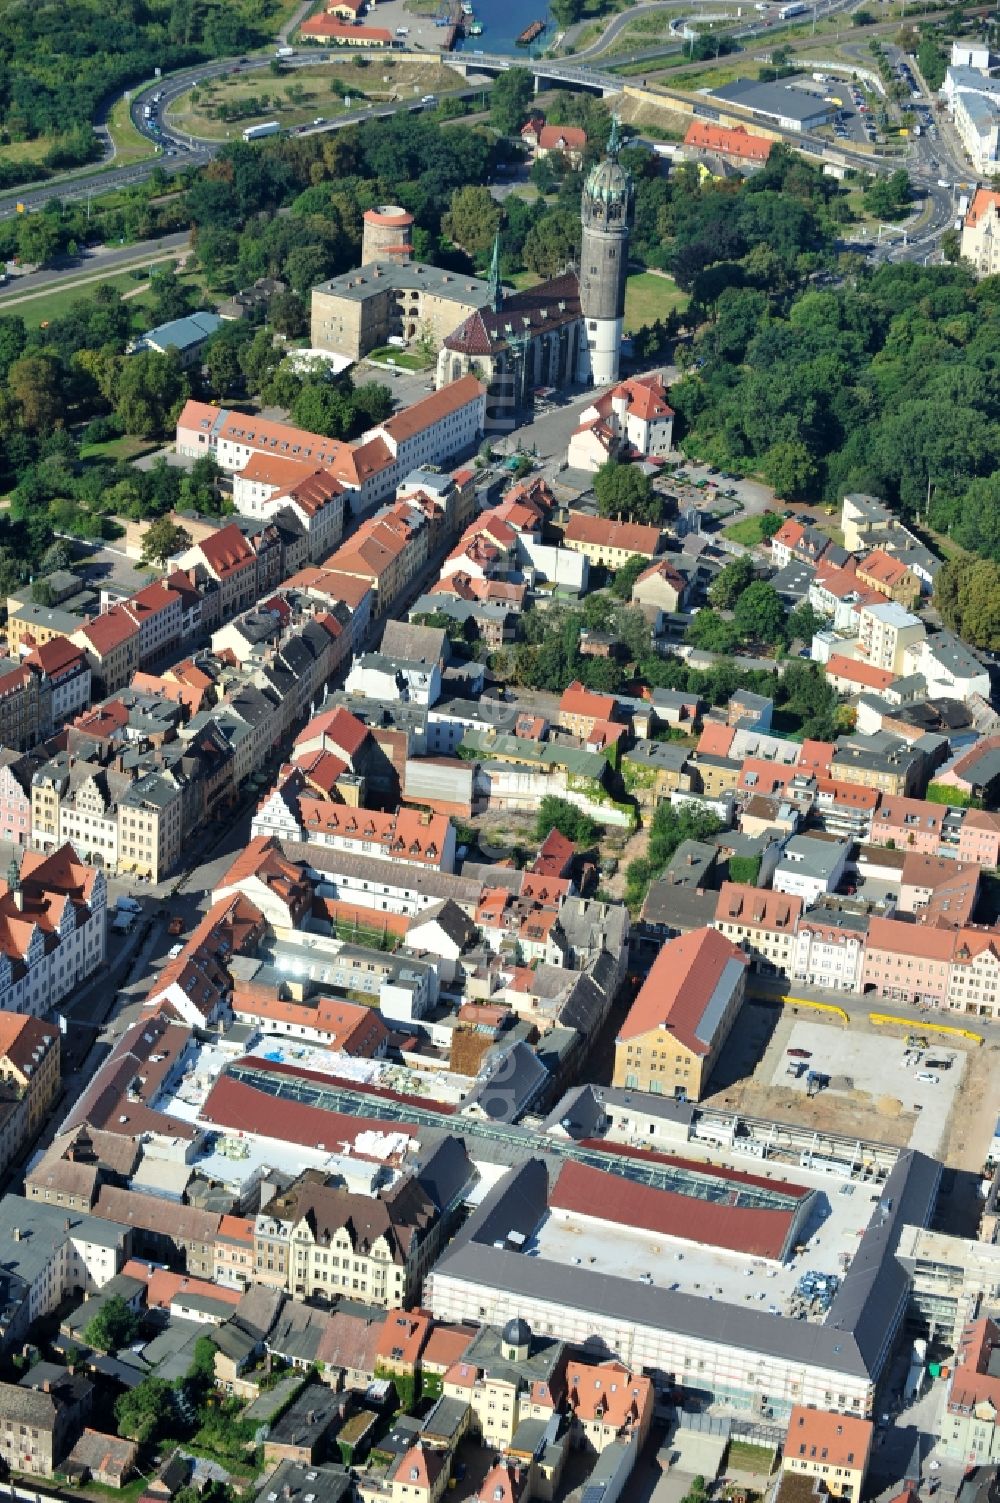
(855, 1339)
(294, 1482)
(513, 1077)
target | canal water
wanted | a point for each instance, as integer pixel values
(502, 22)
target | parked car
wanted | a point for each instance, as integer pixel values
(176, 925)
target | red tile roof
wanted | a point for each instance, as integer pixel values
(608, 1393)
(972, 1383)
(233, 1103)
(734, 142)
(883, 568)
(917, 940)
(403, 1336)
(984, 202)
(611, 1198)
(324, 28)
(716, 739)
(757, 908)
(865, 674)
(57, 658)
(686, 975)
(227, 551)
(646, 397)
(603, 532)
(339, 727)
(25, 1040)
(576, 700)
(835, 1439)
(109, 630)
(312, 492)
(557, 137)
(412, 420)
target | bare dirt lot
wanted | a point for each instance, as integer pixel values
(874, 1093)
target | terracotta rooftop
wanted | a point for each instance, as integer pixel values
(632, 537)
(686, 991)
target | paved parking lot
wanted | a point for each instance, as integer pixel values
(882, 1070)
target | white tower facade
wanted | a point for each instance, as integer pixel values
(606, 212)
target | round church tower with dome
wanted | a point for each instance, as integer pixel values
(606, 211)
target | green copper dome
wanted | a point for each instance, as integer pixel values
(607, 180)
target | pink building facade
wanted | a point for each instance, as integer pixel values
(908, 962)
(15, 810)
(979, 838)
(909, 824)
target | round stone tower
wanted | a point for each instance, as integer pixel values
(606, 211)
(387, 232)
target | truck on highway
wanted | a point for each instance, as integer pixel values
(258, 132)
(285, 52)
(787, 11)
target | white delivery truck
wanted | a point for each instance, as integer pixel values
(258, 132)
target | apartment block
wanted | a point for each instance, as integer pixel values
(29, 1080)
(316, 1239)
(832, 1448)
(53, 927)
(608, 543)
(763, 924)
(885, 631)
(66, 667)
(111, 645)
(25, 705)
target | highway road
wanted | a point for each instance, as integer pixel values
(177, 150)
(92, 262)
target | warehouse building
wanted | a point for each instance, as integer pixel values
(787, 106)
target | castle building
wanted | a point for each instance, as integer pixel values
(386, 231)
(565, 329)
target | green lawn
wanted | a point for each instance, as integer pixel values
(522, 279)
(45, 306)
(749, 532)
(404, 360)
(118, 448)
(313, 92)
(744, 1457)
(649, 296)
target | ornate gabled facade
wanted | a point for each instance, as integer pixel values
(53, 929)
(316, 1239)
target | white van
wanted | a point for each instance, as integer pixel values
(928, 1077)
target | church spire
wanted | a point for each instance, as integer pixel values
(614, 139)
(496, 288)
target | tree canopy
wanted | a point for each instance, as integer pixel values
(624, 491)
(967, 595)
(559, 814)
(114, 1326)
(161, 540)
(883, 384)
